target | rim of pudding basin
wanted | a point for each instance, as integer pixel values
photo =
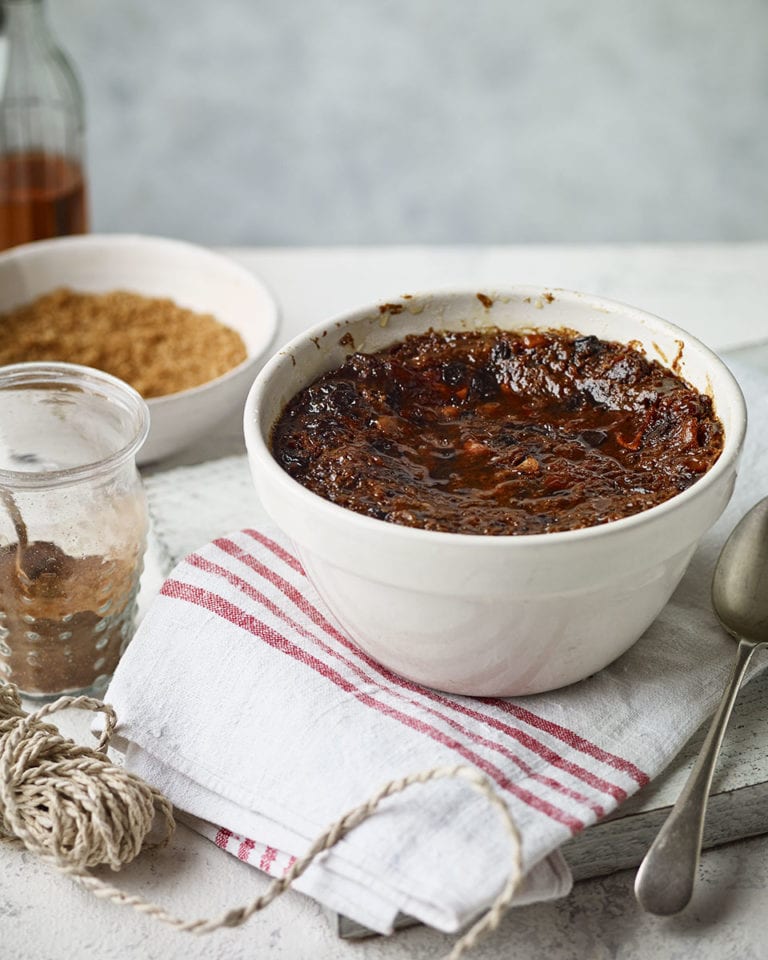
(494, 615)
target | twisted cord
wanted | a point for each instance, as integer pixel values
(73, 808)
(69, 804)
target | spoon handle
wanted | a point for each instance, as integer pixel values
(664, 882)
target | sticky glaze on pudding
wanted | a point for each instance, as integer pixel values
(496, 432)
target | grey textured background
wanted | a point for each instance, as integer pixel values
(408, 121)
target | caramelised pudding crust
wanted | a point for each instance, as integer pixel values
(496, 432)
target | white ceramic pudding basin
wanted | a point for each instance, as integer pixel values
(491, 615)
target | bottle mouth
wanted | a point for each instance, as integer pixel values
(77, 397)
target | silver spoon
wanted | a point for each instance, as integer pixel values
(665, 880)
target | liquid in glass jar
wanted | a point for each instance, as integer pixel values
(41, 196)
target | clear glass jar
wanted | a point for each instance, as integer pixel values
(73, 525)
(42, 183)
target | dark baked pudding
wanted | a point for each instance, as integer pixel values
(496, 432)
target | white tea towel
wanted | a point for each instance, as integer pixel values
(244, 702)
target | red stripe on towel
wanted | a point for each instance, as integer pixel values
(244, 850)
(317, 617)
(267, 859)
(202, 563)
(237, 616)
(222, 838)
(572, 739)
(278, 551)
(558, 731)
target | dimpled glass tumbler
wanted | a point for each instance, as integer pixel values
(73, 525)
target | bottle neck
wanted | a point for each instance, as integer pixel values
(24, 18)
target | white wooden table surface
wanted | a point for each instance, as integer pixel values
(719, 293)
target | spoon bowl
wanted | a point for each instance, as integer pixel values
(740, 583)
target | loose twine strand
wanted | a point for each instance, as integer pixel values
(75, 809)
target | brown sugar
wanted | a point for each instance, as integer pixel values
(153, 344)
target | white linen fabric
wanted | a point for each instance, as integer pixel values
(244, 702)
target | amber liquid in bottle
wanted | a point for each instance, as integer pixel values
(41, 195)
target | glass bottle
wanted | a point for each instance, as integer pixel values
(73, 525)
(42, 183)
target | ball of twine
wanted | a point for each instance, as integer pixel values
(71, 806)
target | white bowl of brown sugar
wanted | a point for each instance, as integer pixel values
(186, 327)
